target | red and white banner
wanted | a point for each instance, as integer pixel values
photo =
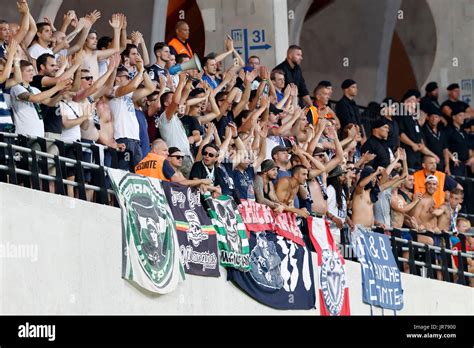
(333, 290)
(285, 226)
(256, 217)
(259, 217)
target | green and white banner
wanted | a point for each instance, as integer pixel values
(231, 232)
(151, 256)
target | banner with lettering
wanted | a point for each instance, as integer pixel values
(232, 238)
(281, 273)
(196, 234)
(333, 287)
(256, 217)
(150, 254)
(381, 279)
(285, 225)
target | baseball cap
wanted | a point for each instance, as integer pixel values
(347, 83)
(279, 148)
(173, 150)
(431, 178)
(452, 86)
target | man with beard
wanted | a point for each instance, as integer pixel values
(287, 189)
(162, 54)
(208, 169)
(264, 188)
(435, 138)
(429, 103)
(453, 106)
(293, 74)
(445, 182)
(210, 71)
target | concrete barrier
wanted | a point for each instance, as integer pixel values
(70, 263)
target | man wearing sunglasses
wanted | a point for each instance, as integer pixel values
(208, 169)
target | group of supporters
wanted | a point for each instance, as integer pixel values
(248, 131)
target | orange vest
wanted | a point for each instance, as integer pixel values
(181, 48)
(420, 177)
(151, 165)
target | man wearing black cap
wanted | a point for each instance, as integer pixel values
(346, 108)
(435, 138)
(388, 111)
(460, 151)
(293, 74)
(411, 136)
(377, 144)
(453, 105)
(429, 103)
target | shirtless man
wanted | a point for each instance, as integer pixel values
(92, 56)
(287, 188)
(362, 202)
(447, 220)
(425, 212)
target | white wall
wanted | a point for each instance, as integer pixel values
(78, 269)
(221, 17)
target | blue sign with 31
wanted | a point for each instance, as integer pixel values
(242, 44)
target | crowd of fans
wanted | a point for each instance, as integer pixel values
(248, 131)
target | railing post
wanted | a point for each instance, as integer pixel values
(411, 258)
(81, 188)
(444, 265)
(429, 265)
(58, 182)
(98, 179)
(11, 166)
(35, 180)
(3, 159)
(395, 249)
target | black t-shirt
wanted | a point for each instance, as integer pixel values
(458, 141)
(51, 116)
(456, 107)
(411, 128)
(436, 142)
(348, 112)
(199, 171)
(190, 124)
(380, 148)
(223, 122)
(393, 140)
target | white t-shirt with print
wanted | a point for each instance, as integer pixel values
(25, 116)
(125, 121)
(173, 133)
(37, 50)
(72, 111)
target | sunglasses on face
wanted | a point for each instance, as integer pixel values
(87, 78)
(177, 157)
(211, 155)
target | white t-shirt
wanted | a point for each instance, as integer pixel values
(25, 116)
(37, 50)
(72, 111)
(173, 133)
(103, 66)
(125, 121)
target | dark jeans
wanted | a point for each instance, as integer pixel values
(132, 155)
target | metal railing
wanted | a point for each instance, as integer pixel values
(432, 254)
(35, 166)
